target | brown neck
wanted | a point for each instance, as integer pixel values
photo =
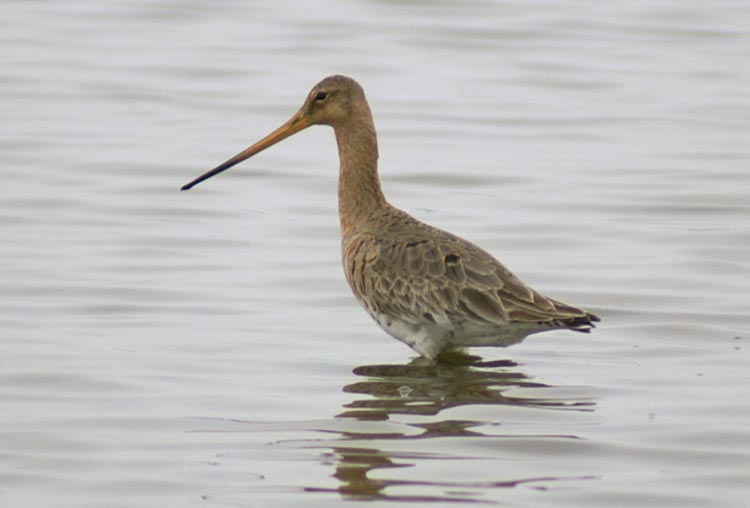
(359, 186)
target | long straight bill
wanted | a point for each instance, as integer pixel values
(295, 124)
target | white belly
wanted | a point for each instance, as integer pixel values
(429, 339)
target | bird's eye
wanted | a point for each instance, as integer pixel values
(321, 96)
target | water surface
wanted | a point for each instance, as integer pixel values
(202, 349)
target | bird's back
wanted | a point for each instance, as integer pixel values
(432, 286)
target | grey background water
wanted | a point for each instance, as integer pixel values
(202, 349)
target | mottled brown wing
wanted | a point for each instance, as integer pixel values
(441, 277)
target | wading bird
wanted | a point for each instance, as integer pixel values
(426, 287)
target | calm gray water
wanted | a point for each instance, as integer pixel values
(202, 348)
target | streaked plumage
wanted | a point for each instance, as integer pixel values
(424, 286)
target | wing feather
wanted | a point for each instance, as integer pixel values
(446, 278)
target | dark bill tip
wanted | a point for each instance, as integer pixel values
(228, 164)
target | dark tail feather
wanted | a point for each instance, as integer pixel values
(582, 324)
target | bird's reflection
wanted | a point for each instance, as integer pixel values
(355, 464)
(424, 388)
